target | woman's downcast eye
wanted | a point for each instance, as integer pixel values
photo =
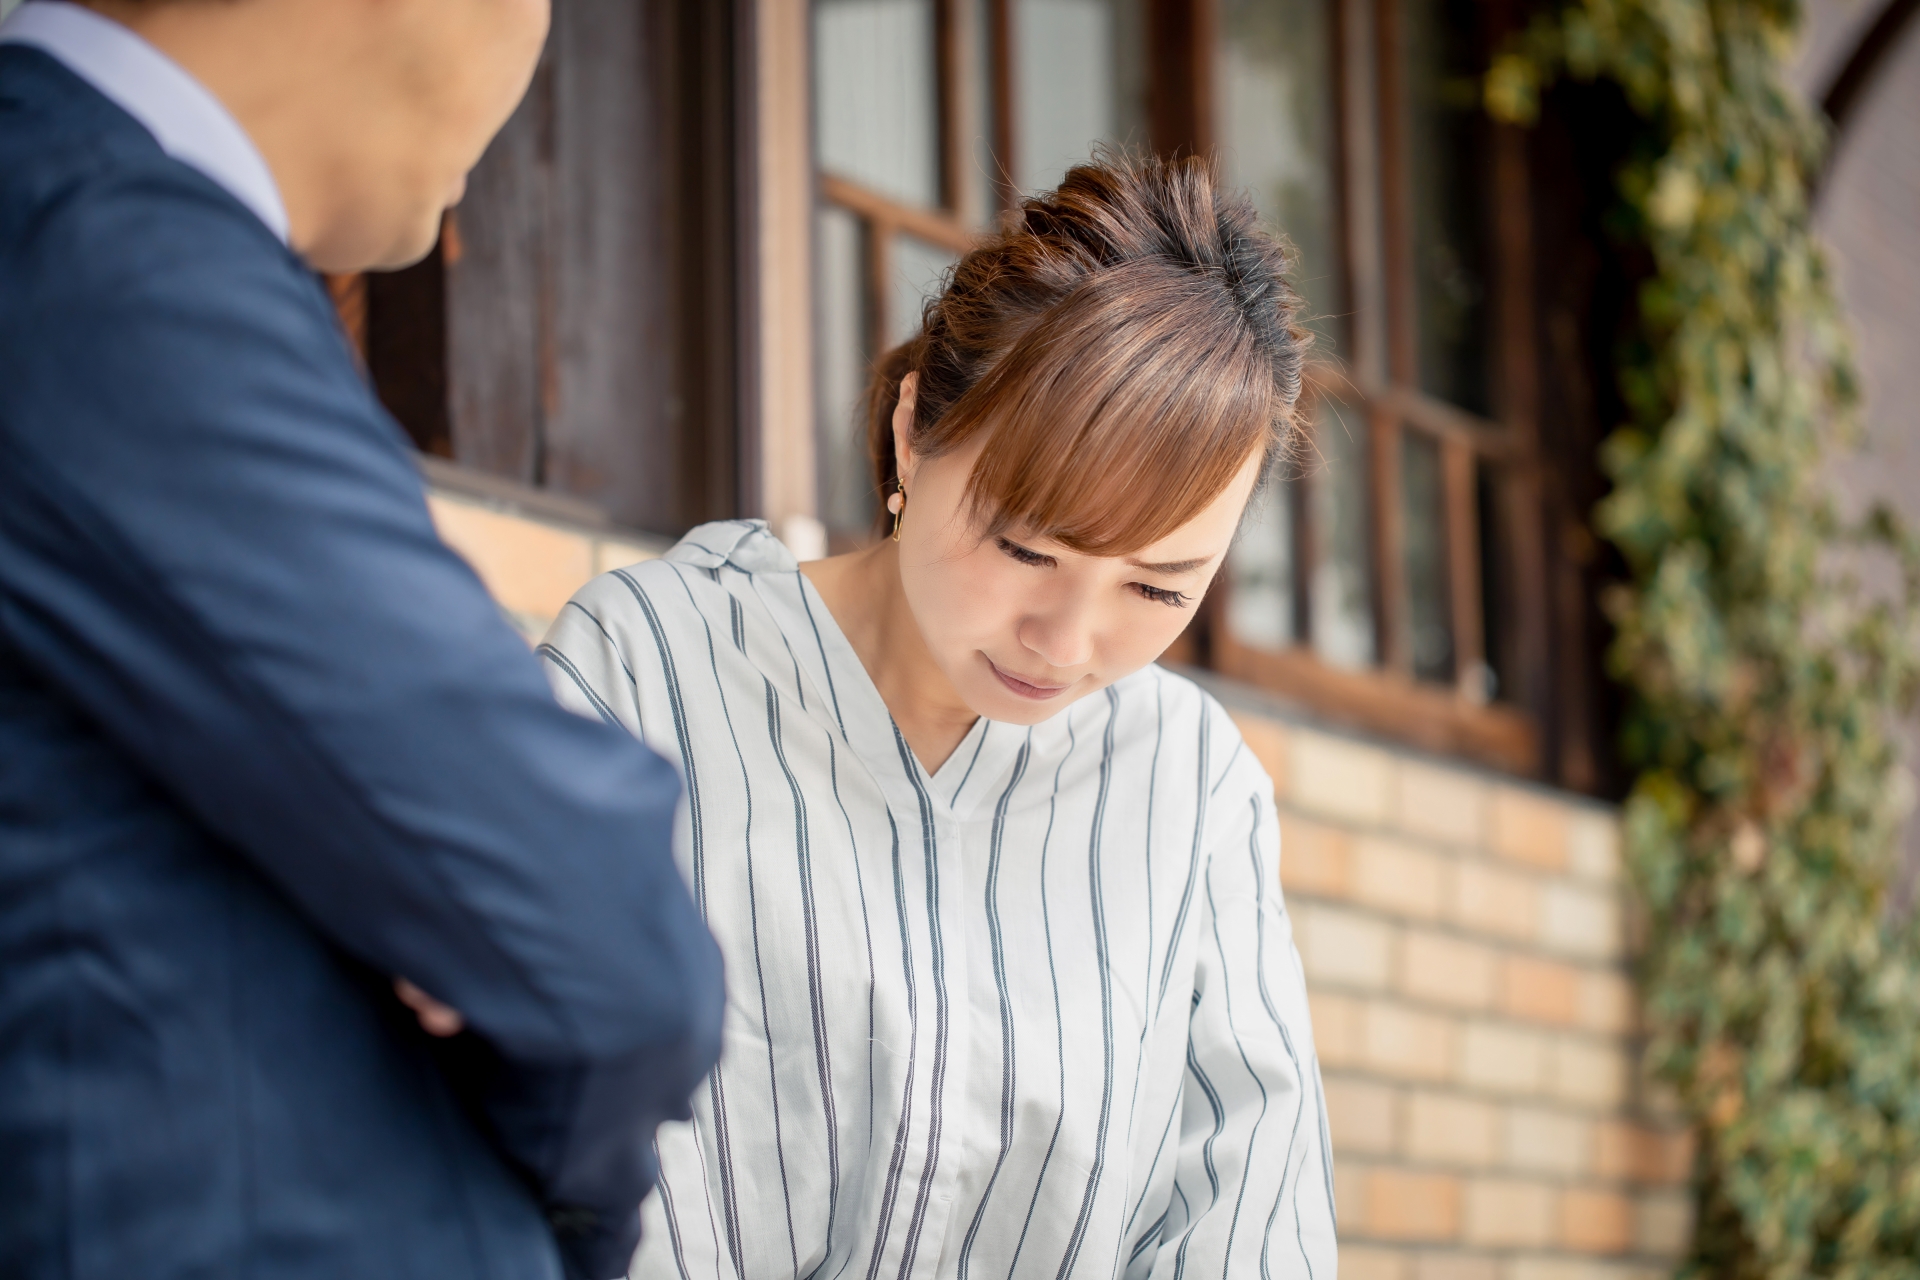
(1023, 554)
(1160, 595)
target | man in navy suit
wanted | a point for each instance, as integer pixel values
(268, 753)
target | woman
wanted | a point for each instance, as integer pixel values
(1012, 990)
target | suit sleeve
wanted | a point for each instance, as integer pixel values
(214, 542)
(1253, 1191)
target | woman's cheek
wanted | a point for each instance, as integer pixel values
(957, 596)
(1162, 636)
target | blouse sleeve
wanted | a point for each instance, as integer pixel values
(591, 656)
(1253, 1191)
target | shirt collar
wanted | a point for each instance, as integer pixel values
(188, 122)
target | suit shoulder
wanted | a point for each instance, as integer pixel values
(91, 210)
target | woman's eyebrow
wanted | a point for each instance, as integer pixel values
(1171, 567)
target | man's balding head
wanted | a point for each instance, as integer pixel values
(369, 112)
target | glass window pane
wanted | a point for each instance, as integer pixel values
(1343, 629)
(1424, 507)
(1260, 572)
(876, 96)
(846, 490)
(1446, 148)
(1078, 81)
(919, 270)
(1278, 135)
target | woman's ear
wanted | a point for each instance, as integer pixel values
(903, 428)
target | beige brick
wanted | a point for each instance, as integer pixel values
(1336, 778)
(1440, 969)
(1588, 1072)
(1503, 1058)
(1626, 1151)
(609, 555)
(1562, 1267)
(1594, 1221)
(1408, 1045)
(1447, 1129)
(1509, 1213)
(1489, 900)
(1578, 920)
(1361, 1116)
(1539, 990)
(1668, 1158)
(1607, 1002)
(1412, 1206)
(529, 568)
(1400, 878)
(1455, 1266)
(1528, 827)
(1315, 859)
(1616, 1149)
(1350, 1196)
(1358, 1262)
(1593, 845)
(1344, 948)
(1441, 804)
(1663, 1223)
(1535, 1140)
(1271, 745)
(1338, 1033)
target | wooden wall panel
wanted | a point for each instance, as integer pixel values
(592, 304)
(610, 430)
(784, 482)
(499, 296)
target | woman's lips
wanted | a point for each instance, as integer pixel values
(1026, 688)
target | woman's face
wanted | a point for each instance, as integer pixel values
(1021, 625)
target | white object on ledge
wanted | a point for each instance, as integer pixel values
(805, 536)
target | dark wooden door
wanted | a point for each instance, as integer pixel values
(588, 281)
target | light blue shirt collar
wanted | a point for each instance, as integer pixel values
(188, 122)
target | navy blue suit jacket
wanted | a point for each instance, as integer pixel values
(265, 743)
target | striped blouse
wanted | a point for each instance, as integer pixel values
(1037, 1013)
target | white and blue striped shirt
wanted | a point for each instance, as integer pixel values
(1037, 1014)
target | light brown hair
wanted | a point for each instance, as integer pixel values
(1123, 343)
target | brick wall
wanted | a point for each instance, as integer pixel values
(532, 566)
(1465, 945)
(1466, 951)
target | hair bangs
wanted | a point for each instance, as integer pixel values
(1147, 379)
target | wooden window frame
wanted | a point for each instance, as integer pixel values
(1381, 381)
(883, 219)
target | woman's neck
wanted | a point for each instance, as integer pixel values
(863, 593)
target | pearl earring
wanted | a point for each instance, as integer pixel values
(897, 503)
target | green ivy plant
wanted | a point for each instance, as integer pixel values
(1780, 1003)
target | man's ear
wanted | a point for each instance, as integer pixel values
(903, 459)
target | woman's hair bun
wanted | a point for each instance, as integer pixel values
(1125, 341)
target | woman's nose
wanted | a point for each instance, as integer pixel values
(1061, 640)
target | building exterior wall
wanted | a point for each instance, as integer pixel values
(532, 567)
(1465, 939)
